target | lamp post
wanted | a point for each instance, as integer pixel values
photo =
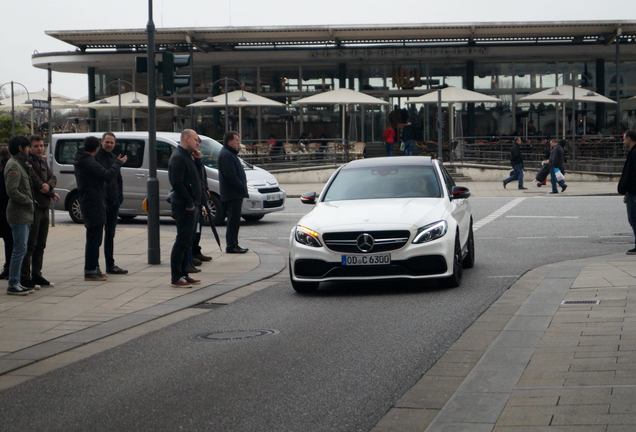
(154, 249)
(135, 100)
(28, 101)
(225, 84)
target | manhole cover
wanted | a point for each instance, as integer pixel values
(580, 302)
(232, 335)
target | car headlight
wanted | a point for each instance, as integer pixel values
(431, 232)
(307, 236)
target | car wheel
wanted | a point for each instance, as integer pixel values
(253, 218)
(456, 279)
(303, 287)
(216, 210)
(126, 218)
(469, 259)
(74, 209)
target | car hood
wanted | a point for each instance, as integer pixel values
(258, 177)
(379, 214)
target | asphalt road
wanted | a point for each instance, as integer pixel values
(335, 362)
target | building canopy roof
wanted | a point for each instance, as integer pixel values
(220, 38)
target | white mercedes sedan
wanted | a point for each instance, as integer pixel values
(384, 218)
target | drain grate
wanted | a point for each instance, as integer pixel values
(580, 302)
(234, 335)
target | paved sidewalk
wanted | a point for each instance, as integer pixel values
(531, 363)
(490, 189)
(75, 312)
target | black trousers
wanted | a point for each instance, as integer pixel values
(182, 243)
(233, 212)
(39, 232)
(112, 213)
(94, 236)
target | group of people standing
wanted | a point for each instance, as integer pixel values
(553, 165)
(26, 191)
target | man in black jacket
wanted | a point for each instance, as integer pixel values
(43, 182)
(516, 160)
(91, 177)
(185, 199)
(557, 163)
(233, 185)
(114, 197)
(627, 183)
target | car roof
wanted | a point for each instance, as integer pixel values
(390, 161)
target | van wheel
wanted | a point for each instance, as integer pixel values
(253, 218)
(216, 210)
(74, 209)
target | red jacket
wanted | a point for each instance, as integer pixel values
(389, 135)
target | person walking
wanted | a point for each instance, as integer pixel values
(5, 229)
(43, 182)
(516, 160)
(20, 208)
(408, 138)
(556, 164)
(233, 185)
(627, 182)
(185, 199)
(91, 179)
(114, 197)
(389, 139)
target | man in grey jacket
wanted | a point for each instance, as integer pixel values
(19, 209)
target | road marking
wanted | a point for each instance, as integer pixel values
(503, 276)
(497, 213)
(615, 236)
(542, 217)
(532, 238)
(573, 237)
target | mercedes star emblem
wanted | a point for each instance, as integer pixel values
(365, 242)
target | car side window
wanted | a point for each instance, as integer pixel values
(134, 149)
(164, 151)
(66, 149)
(450, 183)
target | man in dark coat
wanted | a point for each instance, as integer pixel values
(91, 178)
(233, 185)
(627, 183)
(557, 162)
(43, 181)
(197, 254)
(516, 160)
(185, 199)
(114, 197)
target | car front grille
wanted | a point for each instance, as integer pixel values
(416, 266)
(273, 204)
(269, 190)
(383, 240)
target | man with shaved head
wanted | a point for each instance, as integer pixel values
(185, 199)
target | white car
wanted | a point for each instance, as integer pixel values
(384, 218)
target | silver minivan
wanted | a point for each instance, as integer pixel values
(265, 195)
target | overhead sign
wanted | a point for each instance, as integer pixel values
(40, 104)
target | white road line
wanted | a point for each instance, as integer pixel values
(532, 238)
(573, 237)
(542, 217)
(497, 213)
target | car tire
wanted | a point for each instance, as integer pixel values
(126, 217)
(253, 218)
(216, 210)
(456, 279)
(74, 209)
(303, 287)
(469, 259)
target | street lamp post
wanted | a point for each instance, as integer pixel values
(225, 84)
(28, 101)
(119, 107)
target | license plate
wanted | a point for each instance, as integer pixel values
(273, 197)
(362, 260)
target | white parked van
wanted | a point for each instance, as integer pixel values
(265, 195)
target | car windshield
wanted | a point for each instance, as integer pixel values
(210, 150)
(405, 181)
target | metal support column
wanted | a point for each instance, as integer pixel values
(154, 249)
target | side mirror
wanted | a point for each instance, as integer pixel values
(460, 192)
(308, 198)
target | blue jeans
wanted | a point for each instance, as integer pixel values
(408, 147)
(516, 175)
(553, 180)
(389, 149)
(630, 203)
(20, 240)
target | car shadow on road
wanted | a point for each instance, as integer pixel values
(380, 288)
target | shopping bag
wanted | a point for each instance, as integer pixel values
(402, 146)
(559, 175)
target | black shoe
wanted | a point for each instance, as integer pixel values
(523, 188)
(504, 184)
(39, 280)
(196, 261)
(116, 270)
(192, 269)
(236, 250)
(29, 284)
(554, 192)
(203, 258)
(4, 274)
(564, 187)
(18, 290)
(631, 251)
(95, 277)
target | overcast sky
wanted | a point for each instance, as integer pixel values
(24, 21)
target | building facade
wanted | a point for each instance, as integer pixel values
(394, 62)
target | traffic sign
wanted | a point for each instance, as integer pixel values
(40, 104)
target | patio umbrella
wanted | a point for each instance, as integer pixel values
(236, 98)
(133, 100)
(563, 94)
(20, 103)
(341, 97)
(453, 95)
